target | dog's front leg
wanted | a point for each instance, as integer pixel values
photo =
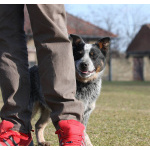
(86, 116)
(85, 121)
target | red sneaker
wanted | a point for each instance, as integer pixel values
(9, 137)
(71, 133)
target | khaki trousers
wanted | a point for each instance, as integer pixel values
(55, 61)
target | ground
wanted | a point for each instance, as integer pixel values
(121, 117)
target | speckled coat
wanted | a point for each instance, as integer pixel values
(88, 94)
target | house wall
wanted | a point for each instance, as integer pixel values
(122, 69)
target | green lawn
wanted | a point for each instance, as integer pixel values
(121, 117)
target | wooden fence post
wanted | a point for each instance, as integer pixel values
(110, 66)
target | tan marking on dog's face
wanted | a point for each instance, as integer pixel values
(100, 45)
(98, 69)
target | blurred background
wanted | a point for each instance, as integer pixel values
(128, 26)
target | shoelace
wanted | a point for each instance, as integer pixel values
(7, 134)
(70, 140)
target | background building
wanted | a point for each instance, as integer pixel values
(138, 49)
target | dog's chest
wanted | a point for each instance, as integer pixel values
(88, 92)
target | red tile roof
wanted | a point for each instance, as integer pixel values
(78, 26)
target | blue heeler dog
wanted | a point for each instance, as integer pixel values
(90, 60)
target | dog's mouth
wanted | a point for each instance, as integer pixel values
(85, 73)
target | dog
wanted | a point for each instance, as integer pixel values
(90, 61)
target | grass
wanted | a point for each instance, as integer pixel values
(121, 117)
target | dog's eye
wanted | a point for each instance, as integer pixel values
(80, 52)
(92, 55)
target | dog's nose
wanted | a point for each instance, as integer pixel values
(84, 65)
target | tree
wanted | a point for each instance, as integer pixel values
(122, 19)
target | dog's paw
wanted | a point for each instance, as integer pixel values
(88, 143)
(44, 144)
(87, 140)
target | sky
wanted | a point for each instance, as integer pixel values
(85, 9)
(126, 19)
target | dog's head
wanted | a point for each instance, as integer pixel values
(90, 59)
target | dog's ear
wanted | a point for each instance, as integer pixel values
(104, 45)
(76, 39)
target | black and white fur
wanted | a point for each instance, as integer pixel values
(90, 60)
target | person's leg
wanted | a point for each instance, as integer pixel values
(14, 75)
(55, 61)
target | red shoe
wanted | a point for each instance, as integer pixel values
(71, 133)
(9, 137)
